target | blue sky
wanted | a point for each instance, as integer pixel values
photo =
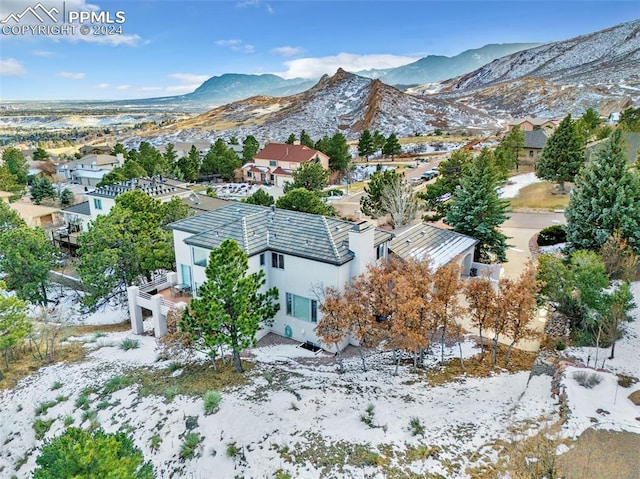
(170, 47)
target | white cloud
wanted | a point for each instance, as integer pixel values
(236, 45)
(316, 67)
(42, 53)
(188, 82)
(103, 86)
(287, 51)
(71, 75)
(228, 43)
(10, 67)
(189, 77)
(123, 87)
(269, 8)
(255, 4)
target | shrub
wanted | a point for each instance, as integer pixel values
(174, 366)
(68, 421)
(90, 416)
(40, 426)
(83, 402)
(416, 427)
(189, 446)
(626, 381)
(280, 474)
(191, 422)
(211, 401)
(43, 407)
(129, 343)
(156, 440)
(56, 385)
(587, 380)
(115, 384)
(170, 393)
(552, 235)
(368, 416)
(560, 346)
(113, 455)
(232, 449)
(269, 377)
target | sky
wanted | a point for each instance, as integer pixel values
(153, 48)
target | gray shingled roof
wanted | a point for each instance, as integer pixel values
(79, 209)
(424, 241)
(152, 187)
(535, 139)
(259, 228)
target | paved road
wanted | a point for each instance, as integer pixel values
(535, 221)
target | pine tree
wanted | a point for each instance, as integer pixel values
(509, 149)
(260, 197)
(291, 140)
(231, 306)
(42, 188)
(365, 145)
(477, 211)
(306, 140)
(16, 164)
(392, 146)
(378, 140)
(311, 175)
(563, 155)
(250, 147)
(605, 200)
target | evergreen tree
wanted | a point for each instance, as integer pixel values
(170, 156)
(311, 175)
(306, 140)
(84, 454)
(42, 188)
(9, 218)
(14, 323)
(291, 140)
(230, 307)
(371, 202)
(563, 155)
(119, 148)
(365, 145)
(378, 140)
(630, 119)
(40, 154)
(233, 141)
(392, 146)
(66, 198)
(220, 159)
(508, 151)
(451, 171)
(605, 200)
(477, 211)
(151, 159)
(190, 165)
(16, 164)
(337, 149)
(260, 197)
(588, 123)
(27, 256)
(250, 147)
(306, 201)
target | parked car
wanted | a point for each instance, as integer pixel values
(429, 174)
(415, 181)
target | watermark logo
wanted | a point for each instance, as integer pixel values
(34, 12)
(53, 21)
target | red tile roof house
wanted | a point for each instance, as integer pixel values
(276, 161)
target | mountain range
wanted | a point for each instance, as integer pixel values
(435, 68)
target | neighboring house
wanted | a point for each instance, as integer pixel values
(530, 124)
(89, 170)
(276, 162)
(182, 148)
(202, 203)
(534, 142)
(95, 150)
(300, 254)
(76, 221)
(102, 199)
(37, 215)
(613, 118)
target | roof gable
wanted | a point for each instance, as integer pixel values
(289, 153)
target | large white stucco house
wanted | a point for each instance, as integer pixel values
(302, 253)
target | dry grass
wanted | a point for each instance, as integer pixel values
(602, 455)
(98, 328)
(478, 367)
(195, 380)
(540, 196)
(27, 363)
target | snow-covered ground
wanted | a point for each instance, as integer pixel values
(516, 183)
(298, 411)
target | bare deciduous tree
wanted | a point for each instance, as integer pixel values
(399, 201)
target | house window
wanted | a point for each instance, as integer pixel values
(381, 251)
(97, 204)
(530, 153)
(277, 260)
(200, 256)
(273, 163)
(262, 259)
(249, 174)
(302, 308)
